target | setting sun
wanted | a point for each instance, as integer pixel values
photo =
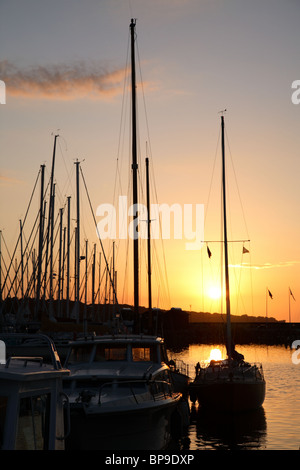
(214, 292)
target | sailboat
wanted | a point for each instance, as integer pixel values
(231, 384)
(120, 387)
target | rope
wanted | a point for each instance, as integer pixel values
(100, 241)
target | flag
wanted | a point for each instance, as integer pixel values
(270, 295)
(245, 250)
(208, 252)
(291, 293)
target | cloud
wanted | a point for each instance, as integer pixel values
(282, 264)
(8, 180)
(62, 82)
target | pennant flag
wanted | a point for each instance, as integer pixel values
(208, 252)
(270, 295)
(245, 250)
(291, 293)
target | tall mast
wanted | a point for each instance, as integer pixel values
(229, 344)
(68, 259)
(51, 213)
(41, 236)
(61, 258)
(52, 244)
(149, 235)
(93, 276)
(77, 244)
(22, 261)
(134, 167)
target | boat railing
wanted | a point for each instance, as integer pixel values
(177, 365)
(158, 389)
(36, 340)
(242, 370)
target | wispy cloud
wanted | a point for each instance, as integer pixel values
(9, 180)
(62, 82)
(283, 264)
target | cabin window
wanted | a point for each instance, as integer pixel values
(33, 423)
(115, 354)
(143, 353)
(110, 353)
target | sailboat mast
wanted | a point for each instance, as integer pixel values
(149, 236)
(77, 243)
(41, 235)
(134, 167)
(229, 341)
(22, 260)
(68, 258)
(51, 214)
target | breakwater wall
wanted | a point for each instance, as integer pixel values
(273, 333)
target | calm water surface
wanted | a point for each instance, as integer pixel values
(276, 426)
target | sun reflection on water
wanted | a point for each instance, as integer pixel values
(215, 355)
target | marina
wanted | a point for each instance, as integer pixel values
(274, 426)
(131, 323)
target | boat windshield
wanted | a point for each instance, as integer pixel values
(139, 353)
(113, 352)
(142, 353)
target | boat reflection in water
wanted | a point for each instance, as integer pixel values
(121, 394)
(232, 431)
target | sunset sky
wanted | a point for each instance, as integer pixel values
(63, 63)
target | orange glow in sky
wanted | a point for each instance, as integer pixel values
(196, 58)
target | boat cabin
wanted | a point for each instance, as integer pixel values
(134, 348)
(31, 405)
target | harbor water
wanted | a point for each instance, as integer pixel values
(276, 426)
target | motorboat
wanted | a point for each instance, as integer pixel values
(121, 394)
(32, 403)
